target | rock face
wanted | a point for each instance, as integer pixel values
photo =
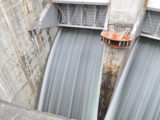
(22, 59)
(113, 63)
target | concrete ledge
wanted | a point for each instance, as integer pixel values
(82, 2)
(12, 112)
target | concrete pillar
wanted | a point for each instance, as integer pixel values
(113, 63)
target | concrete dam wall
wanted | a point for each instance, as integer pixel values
(23, 59)
(72, 80)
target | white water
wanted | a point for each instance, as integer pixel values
(72, 80)
(140, 94)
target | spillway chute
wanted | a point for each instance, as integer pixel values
(137, 93)
(72, 80)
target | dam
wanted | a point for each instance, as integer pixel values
(79, 59)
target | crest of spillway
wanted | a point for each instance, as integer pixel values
(140, 94)
(72, 79)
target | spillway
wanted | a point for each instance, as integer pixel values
(72, 79)
(140, 82)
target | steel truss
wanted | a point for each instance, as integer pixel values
(151, 24)
(84, 16)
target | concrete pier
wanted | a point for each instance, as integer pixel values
(112, 64)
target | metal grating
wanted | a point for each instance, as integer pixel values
(152, 24)
(82, 15)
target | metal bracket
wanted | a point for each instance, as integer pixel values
(48, 18)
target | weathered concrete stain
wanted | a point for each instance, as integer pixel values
(113, 62)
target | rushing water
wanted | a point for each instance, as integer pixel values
(140, 94)
(72, 80)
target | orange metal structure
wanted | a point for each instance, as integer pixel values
(116, 40)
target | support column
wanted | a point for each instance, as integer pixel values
(113, 63)
(121, 28)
